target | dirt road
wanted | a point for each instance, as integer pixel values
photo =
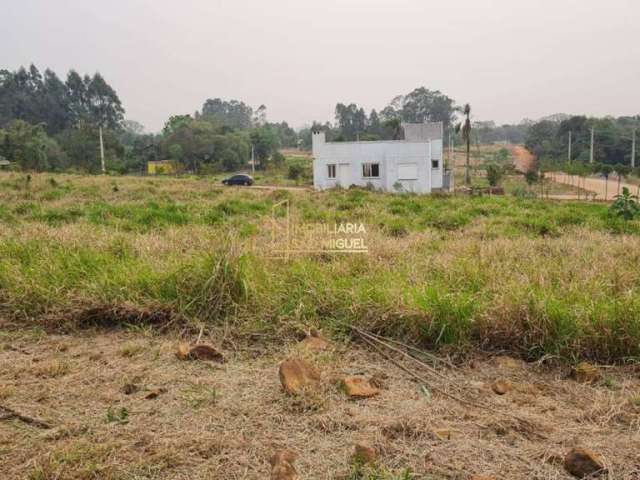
(604, 190)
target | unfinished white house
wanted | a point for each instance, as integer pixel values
(414, 164)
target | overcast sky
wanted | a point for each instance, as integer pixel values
(510, 59)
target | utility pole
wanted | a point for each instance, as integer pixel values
(104, 169)
(591, 152)
(253, 160)
(451, 166)
(569, 156)
(633, 150)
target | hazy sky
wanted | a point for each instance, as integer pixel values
(509, 58)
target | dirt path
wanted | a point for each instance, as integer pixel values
(278, 187)
(270, 188)
(524, 160)
(603, 190)
(224, 421)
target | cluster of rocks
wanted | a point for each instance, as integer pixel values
(298, 375)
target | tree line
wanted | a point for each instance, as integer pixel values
(548, 139)
(50, 124)
(353, 123)
(46, 123)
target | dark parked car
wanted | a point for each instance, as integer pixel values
(238, 180)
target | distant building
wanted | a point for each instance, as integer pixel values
(162, 167)
(414, 164)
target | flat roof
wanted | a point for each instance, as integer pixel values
(376, 141)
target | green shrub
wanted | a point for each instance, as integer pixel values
(295, 171)
(626, 205)
(494, 174)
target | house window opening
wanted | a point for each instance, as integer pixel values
(435, 163)
(371, 170)
(331, 171)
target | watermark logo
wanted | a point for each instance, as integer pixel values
(289, 236)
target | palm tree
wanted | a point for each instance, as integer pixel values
(466, 136)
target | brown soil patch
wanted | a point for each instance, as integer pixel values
(524, 160)
(227, 420)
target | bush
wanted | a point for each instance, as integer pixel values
(494, 174)
(531, 177)
(626, 205)
(278, 158)
(295, 171)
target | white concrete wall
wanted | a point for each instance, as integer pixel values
(436, 154)
(421, 132)
(349, 157)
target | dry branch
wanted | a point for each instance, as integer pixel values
(9, 414)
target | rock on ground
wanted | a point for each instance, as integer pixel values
(500, 387)
(296, 375)
(199, 352)
(358, 387)
(364, 455)
(282, 465)
(582, 462)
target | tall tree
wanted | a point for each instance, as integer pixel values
(233, 113)
(265, 142)
(374, 126)
(54, 105)
(260, 116)
(465, 129)
(104, 106)
(351, 121)
(27, 95)
(422, 105)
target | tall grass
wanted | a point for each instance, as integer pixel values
(522, 275)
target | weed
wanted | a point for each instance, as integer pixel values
(51, 369)
(200, 395)
(130, 350)
(119, 416)
(610, 383)
(397, 228)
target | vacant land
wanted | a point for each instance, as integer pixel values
(530, 276)
(101, 277)
(122, 406)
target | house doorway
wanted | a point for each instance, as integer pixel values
(344, 177)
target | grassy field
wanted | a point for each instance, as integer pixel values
(502, 273)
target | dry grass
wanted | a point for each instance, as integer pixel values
(224, 421)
